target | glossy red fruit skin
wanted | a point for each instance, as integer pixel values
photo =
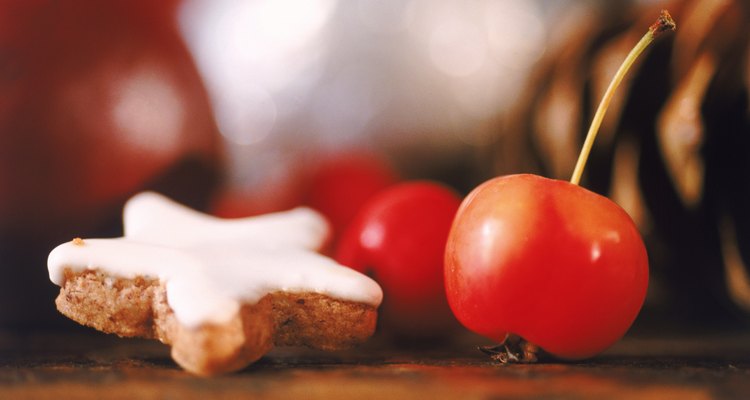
(399, 238)
(556, 264)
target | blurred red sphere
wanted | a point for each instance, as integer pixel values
(98, 100)
(342, 183)
(398, 237)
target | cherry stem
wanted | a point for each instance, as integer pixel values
(663, 23)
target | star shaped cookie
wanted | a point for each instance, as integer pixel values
(221, 292)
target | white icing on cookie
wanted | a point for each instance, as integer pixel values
(211, 265)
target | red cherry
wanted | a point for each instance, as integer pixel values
(546, 260)
(399, 238)
(340, 184)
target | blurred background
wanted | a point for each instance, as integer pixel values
(244, 107)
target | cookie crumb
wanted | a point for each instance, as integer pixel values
(78, 241)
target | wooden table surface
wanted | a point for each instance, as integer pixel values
(95, 366)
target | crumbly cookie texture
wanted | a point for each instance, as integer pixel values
(138, 308)
(221, 292)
